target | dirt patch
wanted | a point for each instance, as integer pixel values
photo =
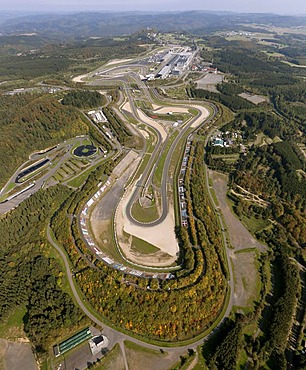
(247, 278)
(117, 61)
(113, 360)
(101, 231)
(16, 356)
(255, 99)
(101, 217)
(202, 117)
(244, 259)
(149, 360)
(127, 107)
(80, 78)
(165, 110)
(250, 197)
(209, 82)
(145, 134)
(125, 163)
(239, 235)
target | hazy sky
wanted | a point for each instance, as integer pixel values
(260, 6)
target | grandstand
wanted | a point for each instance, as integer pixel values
(72, 342)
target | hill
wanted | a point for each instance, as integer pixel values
(80, 25)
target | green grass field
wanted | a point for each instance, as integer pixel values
(81, 178)
(254, 224)
(213, 194)
(142, 246)
(142, 214)
(12, 326)
(158, 174)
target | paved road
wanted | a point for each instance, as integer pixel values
(141, 183)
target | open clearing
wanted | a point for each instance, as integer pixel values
(127, 107)
(113, 360)
(247, 278)
(244, 255)
(239, 235)
(209, 82)
(117, 61)
(80, 358)
(16, 356)
(145, 359)
(125, 163)
(293, 64)
(80, 78)
(255, 99)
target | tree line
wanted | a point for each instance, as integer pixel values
(29, 277)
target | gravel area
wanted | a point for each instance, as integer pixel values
(17, 356)
(244, 259)
(162, 236)
(174, 109)
(117, 61)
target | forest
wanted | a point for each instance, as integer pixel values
(271, 173)
(226, 97)
(272, 169)
(57, 61)
(115, 124)
(85, 25)
(31, 277)
(252, 69)
(83, 99)
(274, 319)
(33, 122)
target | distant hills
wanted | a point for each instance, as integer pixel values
(82, 25)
